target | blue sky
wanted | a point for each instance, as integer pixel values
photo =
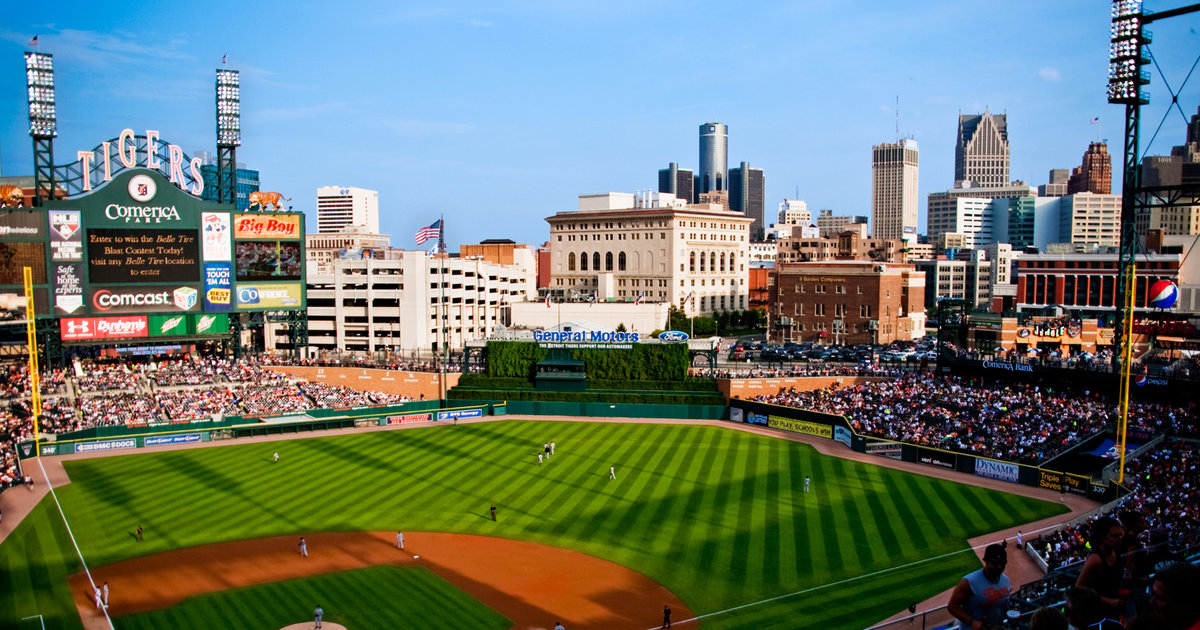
(499, 114)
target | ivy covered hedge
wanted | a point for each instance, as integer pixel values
(644, 362)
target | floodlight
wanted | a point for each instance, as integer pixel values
(39, 80)
(229, 109)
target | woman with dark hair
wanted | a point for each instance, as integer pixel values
(1104, 569)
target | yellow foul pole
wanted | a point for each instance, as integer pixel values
(35, 382)
(1126, 351)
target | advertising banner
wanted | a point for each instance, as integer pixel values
(22, 225)
(459, 413)
(172, 439)
(1063, 482)
(85, 328)
(210, 324)
(757, 418)
(144, 299)
(935, 458)
(68, 287)
(66, 235)
(842, 434)
(165, 325)
(266, 296)
(1108, 449)
(106, 445)
(214, 228)
(993, 469)
(117, 255)
(800, 426)
(265, 226)
(736, 414)
(419, 417)
(891, 450)
(218, 287)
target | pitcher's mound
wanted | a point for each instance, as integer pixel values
(308, 625)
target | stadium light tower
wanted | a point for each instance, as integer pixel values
(43, 122)
(229, 133)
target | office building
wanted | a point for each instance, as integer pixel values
(1057, 186)
(981, 156)
(1094, 174)
(846, 302)
(678, 182)
(619, 247)
(794, 212)
(1090, 219)
(747, 195)
(246, 180)
(961, 215)
(714, 158)
(894, 202)
(829, 225)
(342, 206)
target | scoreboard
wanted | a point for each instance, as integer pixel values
(140, 255)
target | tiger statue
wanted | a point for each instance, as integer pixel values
(11, 196)
(261, 200)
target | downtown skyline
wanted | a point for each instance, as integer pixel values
(511, 110)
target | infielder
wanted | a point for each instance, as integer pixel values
(400, 540)
(303, 548)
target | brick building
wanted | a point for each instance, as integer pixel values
(846, 302)
(1094, 174)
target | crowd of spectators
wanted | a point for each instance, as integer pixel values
(107, 377)
(803, 369)
(1004, 420)
(14, 381)
(1164, 487)
(338, 396)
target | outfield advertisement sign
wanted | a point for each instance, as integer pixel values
(935, 458)
(800, 426)
(105, 445)
(173, 439)
(993, 469)
(757, 418)
(736, 414)
(1063, 482)
(101, 328)
(890, 450)
(841, 434)
(410, 419)
(455, 414)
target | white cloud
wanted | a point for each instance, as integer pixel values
(1050, 74)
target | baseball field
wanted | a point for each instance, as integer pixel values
(715, 517)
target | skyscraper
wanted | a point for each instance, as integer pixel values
(981, 156)
(747, 195)
(714, 158)
(894, 204)
(677, 181)
(1094, 175)
(341, 206)
(247, 180)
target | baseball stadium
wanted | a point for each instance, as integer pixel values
(161, 469)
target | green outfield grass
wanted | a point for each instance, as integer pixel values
(356, 599)
(718, 516)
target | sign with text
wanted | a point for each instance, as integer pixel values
(144, 299)
(68, 287)
(28, 224)
(90, 328)
(267, 296)
(935, 458)
(993, 469)
(142, 256)
(800, 426)
(66, 235)
(218, 287)
(266, 226)
(214, 228)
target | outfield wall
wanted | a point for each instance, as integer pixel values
(751, 387)
(415, 385)
(837, 428)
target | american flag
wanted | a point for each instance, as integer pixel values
(1096, 120)
(638, 299)
(691, 296)
(33, 41)
(547, 300)
(426, 233)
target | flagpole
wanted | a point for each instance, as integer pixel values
(446, 307)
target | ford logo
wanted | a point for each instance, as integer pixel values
(673, 336)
